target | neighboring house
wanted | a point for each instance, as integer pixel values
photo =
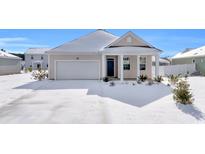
(102, 54)
(162, 61)
(9, 64)
(36, 58)
(190, 56)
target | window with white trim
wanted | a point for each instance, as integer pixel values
(142, 63)
(126, 63)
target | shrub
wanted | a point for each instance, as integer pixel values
(182, 93)
(39, 75)
(139, 81)
(142, 78)
(30, 69)
(158, 79)
(173, 79)
(112, 83)
(105, 79)
(150, 82)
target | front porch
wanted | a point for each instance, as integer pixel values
(128, 67)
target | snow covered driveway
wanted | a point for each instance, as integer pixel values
(24, 100)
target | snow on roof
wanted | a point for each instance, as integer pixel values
(161, 60)
(191, 53)
(92, 42)
(8, 55)
(37, 50)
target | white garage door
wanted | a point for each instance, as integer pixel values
(77, 70)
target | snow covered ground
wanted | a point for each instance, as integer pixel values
(24, 100)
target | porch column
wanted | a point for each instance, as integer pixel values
(121, 68)
(138, 67)
(103, 66)
(156, 65)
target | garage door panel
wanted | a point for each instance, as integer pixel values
(77, 70)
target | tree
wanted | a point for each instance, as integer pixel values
(182, 93)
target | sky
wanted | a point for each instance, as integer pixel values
(171, 41)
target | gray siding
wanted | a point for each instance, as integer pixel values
(9, 66)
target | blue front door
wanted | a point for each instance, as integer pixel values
(110, 67)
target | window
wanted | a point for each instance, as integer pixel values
(31, 57)
(41, 57)
(129, 40)
(126, 63)
(142, 63)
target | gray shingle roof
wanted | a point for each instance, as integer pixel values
(92, 42)
(37, 50)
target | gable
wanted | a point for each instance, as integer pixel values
(129, 39)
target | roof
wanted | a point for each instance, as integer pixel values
(198, 52)
(103, 41)
(37, 50)
(162, 60)
(93, 42)
(8, 56)
(139, 42)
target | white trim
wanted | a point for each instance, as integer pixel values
(55, 62)
(121, 68)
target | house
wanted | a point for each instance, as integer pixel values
(36, 58)
(9, 64)
(162, 61)
(190, 56)
(102, 54)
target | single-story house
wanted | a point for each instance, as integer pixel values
(102, 54)
(36, 58)
(9, 64)
(190, 56)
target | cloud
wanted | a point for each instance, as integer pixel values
(12, 39)
(19, 42)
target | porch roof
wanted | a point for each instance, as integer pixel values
(131, 50)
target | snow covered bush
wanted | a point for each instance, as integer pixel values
(142, 78)
(112, 83)
(105, 79)
(182, 93)
(40, 74)
(173, 79)
(150, 82)
(158, 79)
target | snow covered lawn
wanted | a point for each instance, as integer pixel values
(24, 100)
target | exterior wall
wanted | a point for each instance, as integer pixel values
(199, 61)
(9, 66)
(53, 58)
(36, 57)
(132, 73)
(128, 74)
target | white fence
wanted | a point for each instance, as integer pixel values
(175, 69)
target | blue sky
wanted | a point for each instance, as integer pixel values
(170, 41)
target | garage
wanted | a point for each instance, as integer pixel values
(76, 70)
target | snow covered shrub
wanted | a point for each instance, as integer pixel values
(30, 69)
(139, 81)
(150, 82)
(158, 79)
(40, 75)
(112, 83)
(173, 79)
(142, 78)
(182, 93)
(105, 79)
